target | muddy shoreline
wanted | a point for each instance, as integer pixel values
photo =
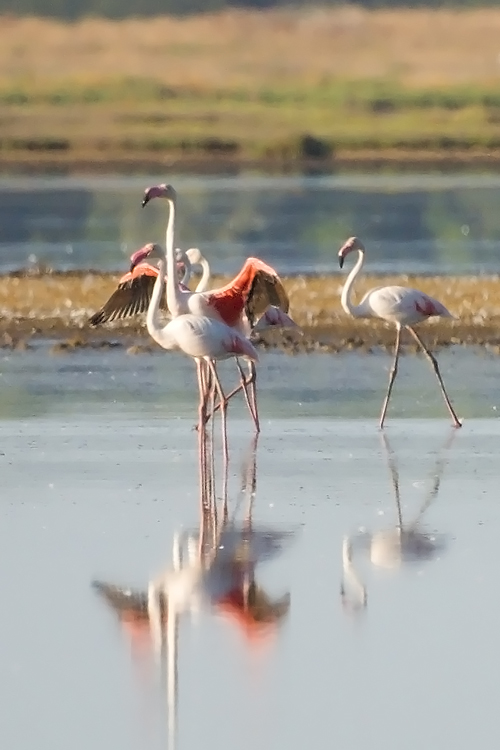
(55, 306)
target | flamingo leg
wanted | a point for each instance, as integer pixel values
(247, 384)
(392, 377)
(435, 367)
(251, 382)
(203, 384)
(223, 411)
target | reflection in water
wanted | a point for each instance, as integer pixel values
(213, 569)
(390, 548)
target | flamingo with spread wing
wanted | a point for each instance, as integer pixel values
(255, 292)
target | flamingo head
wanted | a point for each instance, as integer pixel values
(183, 262)
(352, 244)
(150, 251)
(159, 191)
(194, 255)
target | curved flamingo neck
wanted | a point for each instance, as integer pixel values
(356, 311)
(205, 276)
(173, 292)
(188, 270)
(155, 329)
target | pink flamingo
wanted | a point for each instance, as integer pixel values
(239, 304)
(203, 338)
(399, 305)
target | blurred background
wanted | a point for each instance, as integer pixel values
(285, 128)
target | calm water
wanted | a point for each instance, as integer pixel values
(99, 473)
(426, 223)
(376, 561)
(102, 498)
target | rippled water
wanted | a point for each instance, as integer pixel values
(428, 223)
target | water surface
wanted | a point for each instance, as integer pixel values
(425, 223)
(102, 497)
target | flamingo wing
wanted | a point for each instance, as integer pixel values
(131, 297)
(253, 290)
(267, 290)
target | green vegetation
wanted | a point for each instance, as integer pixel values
(134, 116)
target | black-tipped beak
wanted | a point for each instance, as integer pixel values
(341, 261)
(144, 201)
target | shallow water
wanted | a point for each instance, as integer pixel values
(100, 471)
(425, 223)
(101, 497)
(348, 385)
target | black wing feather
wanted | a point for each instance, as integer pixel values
(132, 297)
(266, 290)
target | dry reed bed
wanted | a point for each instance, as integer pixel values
(253, 49)
(58, 305)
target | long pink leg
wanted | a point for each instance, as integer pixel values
(392, 377)
(251, 382)
(249, 390)
(223, 411)
(247, 384)
(435, 367)
(202, 433)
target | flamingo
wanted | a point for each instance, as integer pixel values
(239, 304)
(133, 293)
(203, 338)
(388, 549)
(399, 305)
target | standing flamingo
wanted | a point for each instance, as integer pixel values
(239, 304)
(201, 337)
(399, 305)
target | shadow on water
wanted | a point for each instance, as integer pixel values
(403, 544)
(213, 569)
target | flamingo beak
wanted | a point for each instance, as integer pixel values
(145, 200)
(341, 261)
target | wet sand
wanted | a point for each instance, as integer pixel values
(57, 305)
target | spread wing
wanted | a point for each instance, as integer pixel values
(131, 297)
(266, 290)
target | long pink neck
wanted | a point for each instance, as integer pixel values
(173, 292)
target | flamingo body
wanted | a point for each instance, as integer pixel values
(399, 305)
(204, 338)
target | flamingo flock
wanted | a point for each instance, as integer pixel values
(210, 325)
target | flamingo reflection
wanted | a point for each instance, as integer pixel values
(213, 569)
(391, 548)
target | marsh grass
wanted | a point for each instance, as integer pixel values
(278, 84)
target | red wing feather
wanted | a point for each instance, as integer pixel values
(252, 290)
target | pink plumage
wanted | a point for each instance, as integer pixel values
(400, 305)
